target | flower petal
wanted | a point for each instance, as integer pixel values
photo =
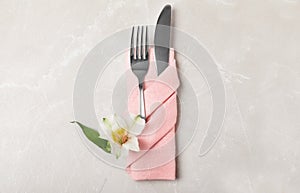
(116, 150)
(132, 143)
(115, 126)
(110, 123)
(107, 122)
(137, 125)
(106, 126)
(121, 123)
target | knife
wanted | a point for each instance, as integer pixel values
(162, 39)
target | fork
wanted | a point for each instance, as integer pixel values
(139, 60)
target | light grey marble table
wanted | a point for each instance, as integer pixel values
(256, 45)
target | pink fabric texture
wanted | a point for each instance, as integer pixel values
(156, 160)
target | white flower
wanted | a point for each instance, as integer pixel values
(121, 136)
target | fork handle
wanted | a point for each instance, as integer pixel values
(142, 101)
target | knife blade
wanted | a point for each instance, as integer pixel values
(162, 39)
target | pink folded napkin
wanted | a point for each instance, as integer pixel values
(156, 160)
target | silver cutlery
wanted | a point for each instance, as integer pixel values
(162, 39)
(139, 60)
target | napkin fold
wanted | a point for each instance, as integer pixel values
(156, 160)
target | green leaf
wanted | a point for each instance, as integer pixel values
(94, 137)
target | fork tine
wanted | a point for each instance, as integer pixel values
(142, 43)
(132, 43)
(146, 43)
(138, 55)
